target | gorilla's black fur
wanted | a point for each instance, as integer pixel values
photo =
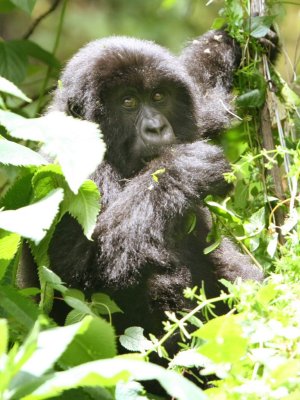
(154, 110)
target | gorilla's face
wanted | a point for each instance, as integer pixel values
(145, 117)
(139, 94)
(142, 121)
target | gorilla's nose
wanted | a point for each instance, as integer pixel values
(156, 130)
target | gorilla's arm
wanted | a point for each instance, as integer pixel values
(131, 230)
(212, 59)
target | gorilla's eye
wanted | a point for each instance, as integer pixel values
(130, 102)
(158, 96)
(74, 109)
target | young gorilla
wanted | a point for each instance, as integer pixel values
(154, 110)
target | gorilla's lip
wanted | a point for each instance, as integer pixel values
(150, 153)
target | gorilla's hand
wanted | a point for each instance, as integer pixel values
(196, 169)
(131, 231)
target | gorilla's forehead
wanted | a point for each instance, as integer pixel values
(121, 59)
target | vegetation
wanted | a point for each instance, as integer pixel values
(254, 349)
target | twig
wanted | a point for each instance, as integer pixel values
(40, 18)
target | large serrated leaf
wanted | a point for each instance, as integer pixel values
(85, 348)
(47, 354)
(18, 306)
(33, 221)
(14, 61)
(85, 206)
(75, 144)
(34, 50)
(107, 373)
(19, 194)
(15, 154)
(224, 339)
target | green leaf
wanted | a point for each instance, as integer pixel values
(222, 211)
(129, 391)
(218, 23)
(272, 243)
(188, 358)
(260, 26)
(34, 50)
(3, 336)
(85, 348)
(50, 278)
(266, 294)
(46, 354)
(6, 6)
(19, 195)
(134, 339)
(18, 306)
(252, 99)
(18, 155)
(213, 246)
(47, 178)
(285, 373)
(190, 222)
(9, 245)
(14, 61)
(9, 88)
(109, 372)
(103, 304)
(256, 223)
(84, 206)
(77, 304)
(291, 99)
(224, 339)
(156, 174)
(25, 5)
(33, 221)
(75, 143)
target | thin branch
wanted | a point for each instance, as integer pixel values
(57, 38)
(40, 18)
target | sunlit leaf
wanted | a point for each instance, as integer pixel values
(9, 244)
(16, 154)
(9, 88)
(33, 221)
(109, 372)
(76, 144)
(134, 339)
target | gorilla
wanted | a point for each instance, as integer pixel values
(157, 113)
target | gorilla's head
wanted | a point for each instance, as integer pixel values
(140, 94)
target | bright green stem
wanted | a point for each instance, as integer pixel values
(55, 46)
(185, 318)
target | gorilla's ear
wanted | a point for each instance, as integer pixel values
(74, 109)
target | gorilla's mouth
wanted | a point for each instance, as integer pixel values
(150, 152)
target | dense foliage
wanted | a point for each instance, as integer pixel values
(254, 349)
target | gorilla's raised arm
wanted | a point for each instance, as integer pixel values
(212, 60)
